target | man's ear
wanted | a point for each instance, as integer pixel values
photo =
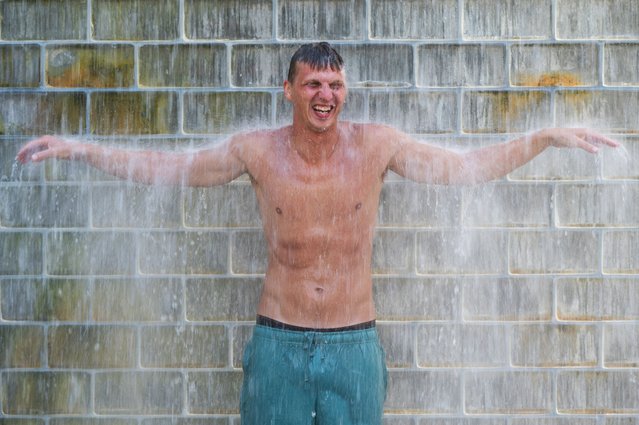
(287, 91)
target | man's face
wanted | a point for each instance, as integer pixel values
(317, 96)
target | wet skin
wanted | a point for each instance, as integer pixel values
(318, 183)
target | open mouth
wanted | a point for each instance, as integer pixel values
(323, 110)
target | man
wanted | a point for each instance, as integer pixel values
(315, 356)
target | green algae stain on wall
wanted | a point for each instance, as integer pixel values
(99, 66)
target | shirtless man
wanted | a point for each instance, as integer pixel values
(315, 356)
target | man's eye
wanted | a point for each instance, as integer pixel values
(336, 86)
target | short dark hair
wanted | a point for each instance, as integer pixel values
(318, 55)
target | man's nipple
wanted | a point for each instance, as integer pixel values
(278, 210)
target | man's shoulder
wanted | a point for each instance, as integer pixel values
(374, 135)
(257, 139)
(370, 129)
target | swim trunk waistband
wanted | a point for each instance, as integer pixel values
(272, 323)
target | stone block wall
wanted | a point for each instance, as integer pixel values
(511, 303)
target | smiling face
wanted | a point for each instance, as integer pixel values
(317, 96)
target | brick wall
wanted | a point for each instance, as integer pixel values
(512, 303)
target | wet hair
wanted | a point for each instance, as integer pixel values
(318, 56)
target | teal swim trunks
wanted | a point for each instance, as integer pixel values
(298, 376)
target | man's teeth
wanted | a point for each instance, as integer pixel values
(323, 108)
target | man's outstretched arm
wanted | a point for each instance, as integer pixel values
(208, 167)
(428, 164)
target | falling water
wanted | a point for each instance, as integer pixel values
(510, 302)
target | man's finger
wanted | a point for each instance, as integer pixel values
(600, 139)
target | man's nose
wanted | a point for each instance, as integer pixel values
(325, 91)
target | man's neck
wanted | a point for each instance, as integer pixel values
(314, 146)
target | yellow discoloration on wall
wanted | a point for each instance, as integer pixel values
(550, 79)
(104, 66)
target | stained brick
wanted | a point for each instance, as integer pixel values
(554, 346)
(416, 298)
(136, 206)
(249, 252)
(621, 163)
(44, 19)
(599, 392)
(407, 110)
(505, 111)
(91, 347)
(461, 65)
(21, 253)
(184, 346)
(437, 392)
(552, 65)
(38, 113)
(135, 20)
(410, 204)
(367, 65)
(231, 205)
(55, 170)
(177, 420)
(229, 19)
(214, 392)
(597, 299)
(621, 64)
(507, 19)
(44, 206)
(398, 339)
(332, 19)
(150, 393)
(620, 420)
(621, 345)
(183, 65)
(559, 164)
(508, 392)
(608, 111)
(41, 393)
(137, 300)
(90, 66)
(221, 113)
(92, 421)
(507, 205)
(20, 421)
(19, 65)
(222, 299)
(450, 345)
(597, 205)
(507, 299)
(241, 335)
(21, 346)
(554, 421)
(414, 19)
(260, 65)
(133, 113)
(87, 253)
(184, 252)
(12, 170)
(57, 300)
(397, 420)
(548, 252)
(619, 255)
(597, 19)
(461, 252)
(393, 252)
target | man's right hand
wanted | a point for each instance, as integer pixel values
(48, 147)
